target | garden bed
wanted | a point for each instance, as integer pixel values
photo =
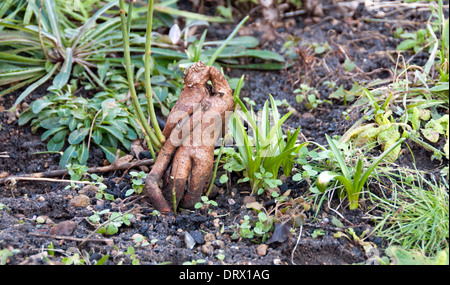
(358, 46)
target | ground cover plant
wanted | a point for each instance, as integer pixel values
(336, 150)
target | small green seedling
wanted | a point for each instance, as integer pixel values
(205, 202)
(353, 182)
(137, 183)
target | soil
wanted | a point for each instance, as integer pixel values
(28, 203)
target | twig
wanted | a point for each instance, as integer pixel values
(113, 167)
(108, 241)
(295, 247)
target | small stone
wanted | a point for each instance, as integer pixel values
(218, 244)
(41, 199)
(80, 201)
(216, 223)
(4, 174)
(145, 155)
(209, 237)
(207, 249)
(64, 228)
(261, 250)
(248, 199)
(277, 261)
(189, 240)
(198, 237)
(88, 190)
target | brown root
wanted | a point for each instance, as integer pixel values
(196, 122)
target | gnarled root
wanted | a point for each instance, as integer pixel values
(190, 169)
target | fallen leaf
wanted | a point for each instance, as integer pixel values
(254, 205)
(280, 233)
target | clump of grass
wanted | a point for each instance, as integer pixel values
(417, 213)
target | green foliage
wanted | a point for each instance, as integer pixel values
(259, 228)
(353, 178)
(137, 185)
(102, 120)
(5, 254)
(51, 47)
(266, 146)
(400, 256)
(268, 181)
(309, 95)
(205, 202)
(417, 213)
(114, 221)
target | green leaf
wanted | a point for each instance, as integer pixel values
(83, 154)
(110, 153)
(50, 132)
(443, 86)
(113, 130)
(376, 162)
(50, 123)
(35, 85)
(445, 33)
(91, 21)
(213, 58)
(223, 178)
(78, 135)
(69, 153)
(25, 117)
(349, 65)
(54, 145)
(102, 260)
(62, 78)
(38, 105)
(407, 44)
(53, 19)
(338, 156)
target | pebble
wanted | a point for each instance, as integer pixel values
(218, 244)
(261, 250)
(189, 240)
(80, 201)
(209, 237)
(248, 199)
(64, 228)
(207, 249)
(198, 237)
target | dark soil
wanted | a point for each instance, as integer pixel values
(365, 43)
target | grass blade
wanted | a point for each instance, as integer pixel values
(35, 85)
(225, 43)
(63, 76)
(338, 156)
(376, 162)
(53, 18)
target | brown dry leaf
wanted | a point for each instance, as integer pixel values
(254, 205)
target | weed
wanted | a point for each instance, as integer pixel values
(353, 179)
(416, 215)
(5, 254)
(259, 228)
(267, 149)
(205, 202)
(310, 96)
(114, 221)
(138, 185)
